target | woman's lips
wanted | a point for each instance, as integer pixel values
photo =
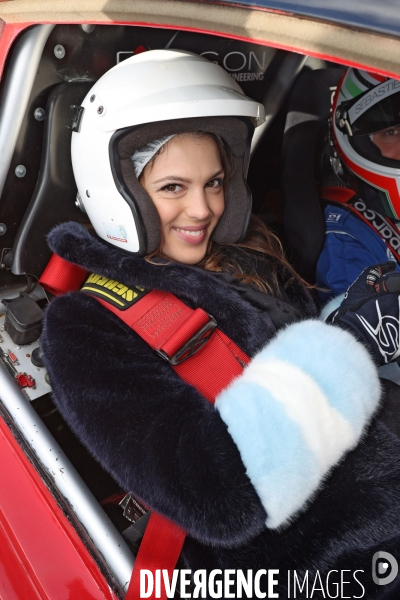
(192, 234)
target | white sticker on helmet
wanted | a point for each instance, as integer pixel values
(115, 232)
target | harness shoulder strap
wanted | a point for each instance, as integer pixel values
(187, 339)
(190, 341)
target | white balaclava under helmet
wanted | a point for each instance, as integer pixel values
(133, 108)
(142, 156)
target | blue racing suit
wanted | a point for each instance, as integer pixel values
(350, 246)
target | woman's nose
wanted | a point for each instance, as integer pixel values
(198, 206)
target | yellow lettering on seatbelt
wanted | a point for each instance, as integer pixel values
(114, 286)
(130, 295)
(110, 284)
(120, 289)
(93, 278)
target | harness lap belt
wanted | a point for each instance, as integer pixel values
(194, 347)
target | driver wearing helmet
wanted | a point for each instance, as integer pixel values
(259, 480)
(362, 214)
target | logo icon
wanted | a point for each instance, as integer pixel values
(386, 334)
(384, 568)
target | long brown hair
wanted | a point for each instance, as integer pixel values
(259, 239)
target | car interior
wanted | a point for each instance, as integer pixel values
(39, 191)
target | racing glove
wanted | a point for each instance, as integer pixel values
(371, 311)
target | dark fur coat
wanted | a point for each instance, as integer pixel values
(181, 455)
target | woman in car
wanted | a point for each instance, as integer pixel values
(289, 469)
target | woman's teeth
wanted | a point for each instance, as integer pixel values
(192, 233)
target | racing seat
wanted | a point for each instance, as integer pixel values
(53, 200)
(305, 132)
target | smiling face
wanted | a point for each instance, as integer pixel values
(185, 182)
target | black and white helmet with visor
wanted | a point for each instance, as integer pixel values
(366, 125)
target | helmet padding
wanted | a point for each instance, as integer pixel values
(235, 132)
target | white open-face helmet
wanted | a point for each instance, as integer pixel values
(367, 107)
(144, 98)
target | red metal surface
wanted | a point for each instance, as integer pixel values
(41, 555)
(8, 33)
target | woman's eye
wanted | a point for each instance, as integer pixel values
(215, 183)
(171, 187)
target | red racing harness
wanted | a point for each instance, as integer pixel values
(190, 341)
